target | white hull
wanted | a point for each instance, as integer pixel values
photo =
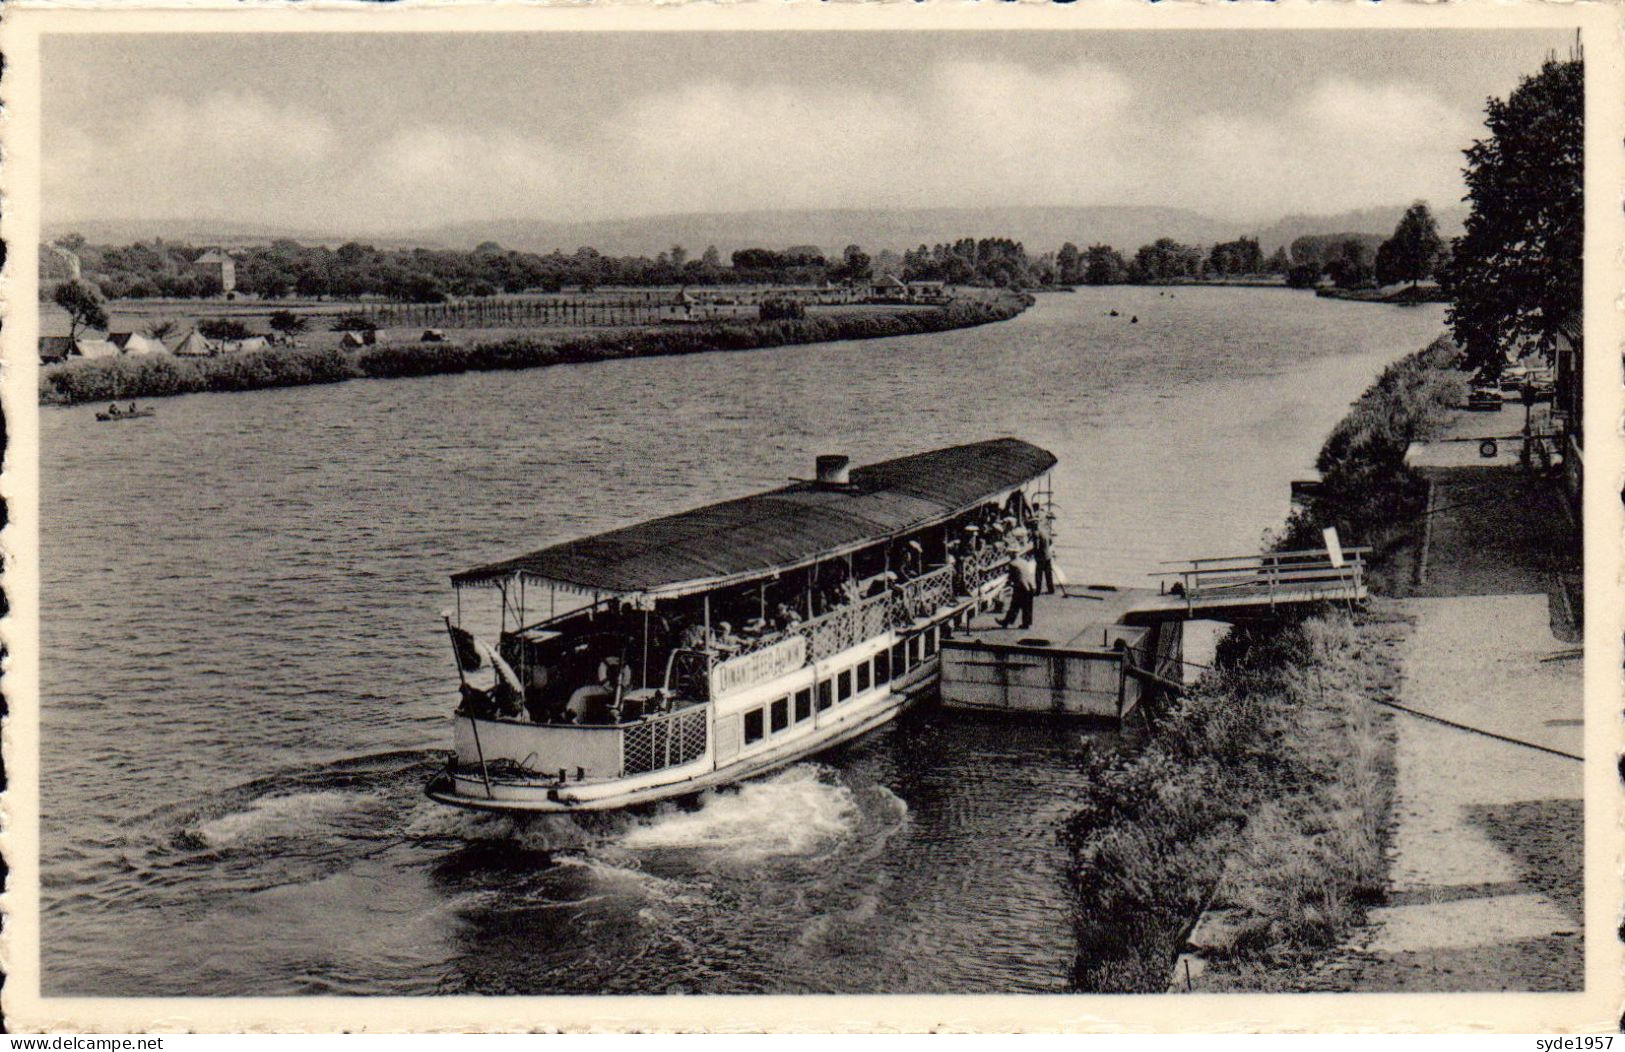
(731, 754)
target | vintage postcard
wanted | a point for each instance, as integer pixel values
(922, 517)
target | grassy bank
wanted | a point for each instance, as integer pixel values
(154, 376)
(1263, 794)
(1408, 296)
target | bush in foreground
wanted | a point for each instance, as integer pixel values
(1263, 792)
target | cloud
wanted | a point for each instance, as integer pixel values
(961, 132)
(175, 155)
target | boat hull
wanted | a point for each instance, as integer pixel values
(481, 794)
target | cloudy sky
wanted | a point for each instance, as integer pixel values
(386, 133)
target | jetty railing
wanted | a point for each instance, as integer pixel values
(1276, 576)
(664, 741)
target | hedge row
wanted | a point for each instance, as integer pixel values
(154, 376)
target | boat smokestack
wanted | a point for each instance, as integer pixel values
(834, 470)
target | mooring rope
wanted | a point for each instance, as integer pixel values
(1476, 730)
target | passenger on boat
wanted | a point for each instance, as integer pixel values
(1023, 583)
(132, 408)
(912, 564)
(1044, 579)
(724, 639)
(113, 410)
(787, 617)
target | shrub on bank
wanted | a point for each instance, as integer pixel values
(1367, 491)
(157, 375)
(114, 379)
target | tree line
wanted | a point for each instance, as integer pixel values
(287, 268)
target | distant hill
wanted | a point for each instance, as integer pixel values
(1040, 229)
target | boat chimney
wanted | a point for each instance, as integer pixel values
(834, 470)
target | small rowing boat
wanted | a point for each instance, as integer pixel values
(126, 414)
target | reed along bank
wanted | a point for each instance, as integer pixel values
(155, 376)
(1263, 795)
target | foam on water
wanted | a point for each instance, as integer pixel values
(795, 813)
(277, 816)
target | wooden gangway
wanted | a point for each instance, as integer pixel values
(1244, 586)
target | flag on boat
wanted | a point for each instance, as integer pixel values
(467, 648)
(474, 653)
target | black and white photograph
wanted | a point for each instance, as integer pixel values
(911, 506)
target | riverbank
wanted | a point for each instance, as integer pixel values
(156, 376)
(1406, 296)
(1261, 800)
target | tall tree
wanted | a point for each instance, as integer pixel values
(84, 305)
(1104, 265)
(1409, 255)
(1068, 264)
(1515, 276)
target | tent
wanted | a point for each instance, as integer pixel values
(253, 343)
(136, 343)
(195, 346)
(54, 348)
(433, 336)
(94, 349)
(353, 339)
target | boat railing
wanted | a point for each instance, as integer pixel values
(847, 626)
(974, 575)
(924, 594)
(658, 742)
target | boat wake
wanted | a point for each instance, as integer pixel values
(279, 817)
(799, 813)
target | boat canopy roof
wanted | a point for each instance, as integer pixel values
(784, 529)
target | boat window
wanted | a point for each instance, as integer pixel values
(863, 677)
(897, 654)
(753, 726)
(781, 714)
(930, 641)
(844, 685)
(826, 695)
(913, 651)
(882, 666)
(803, 704)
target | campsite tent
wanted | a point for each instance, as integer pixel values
(94, 349)
(353, 339)
(195, 346)
(253, 343)
(136, 343)
(54, 348)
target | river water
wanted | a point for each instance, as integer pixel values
(246, 682)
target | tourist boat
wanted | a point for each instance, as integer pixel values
(726, 642)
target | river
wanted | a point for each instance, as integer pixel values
(245, 680)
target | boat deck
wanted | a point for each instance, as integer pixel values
(1077, 618)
